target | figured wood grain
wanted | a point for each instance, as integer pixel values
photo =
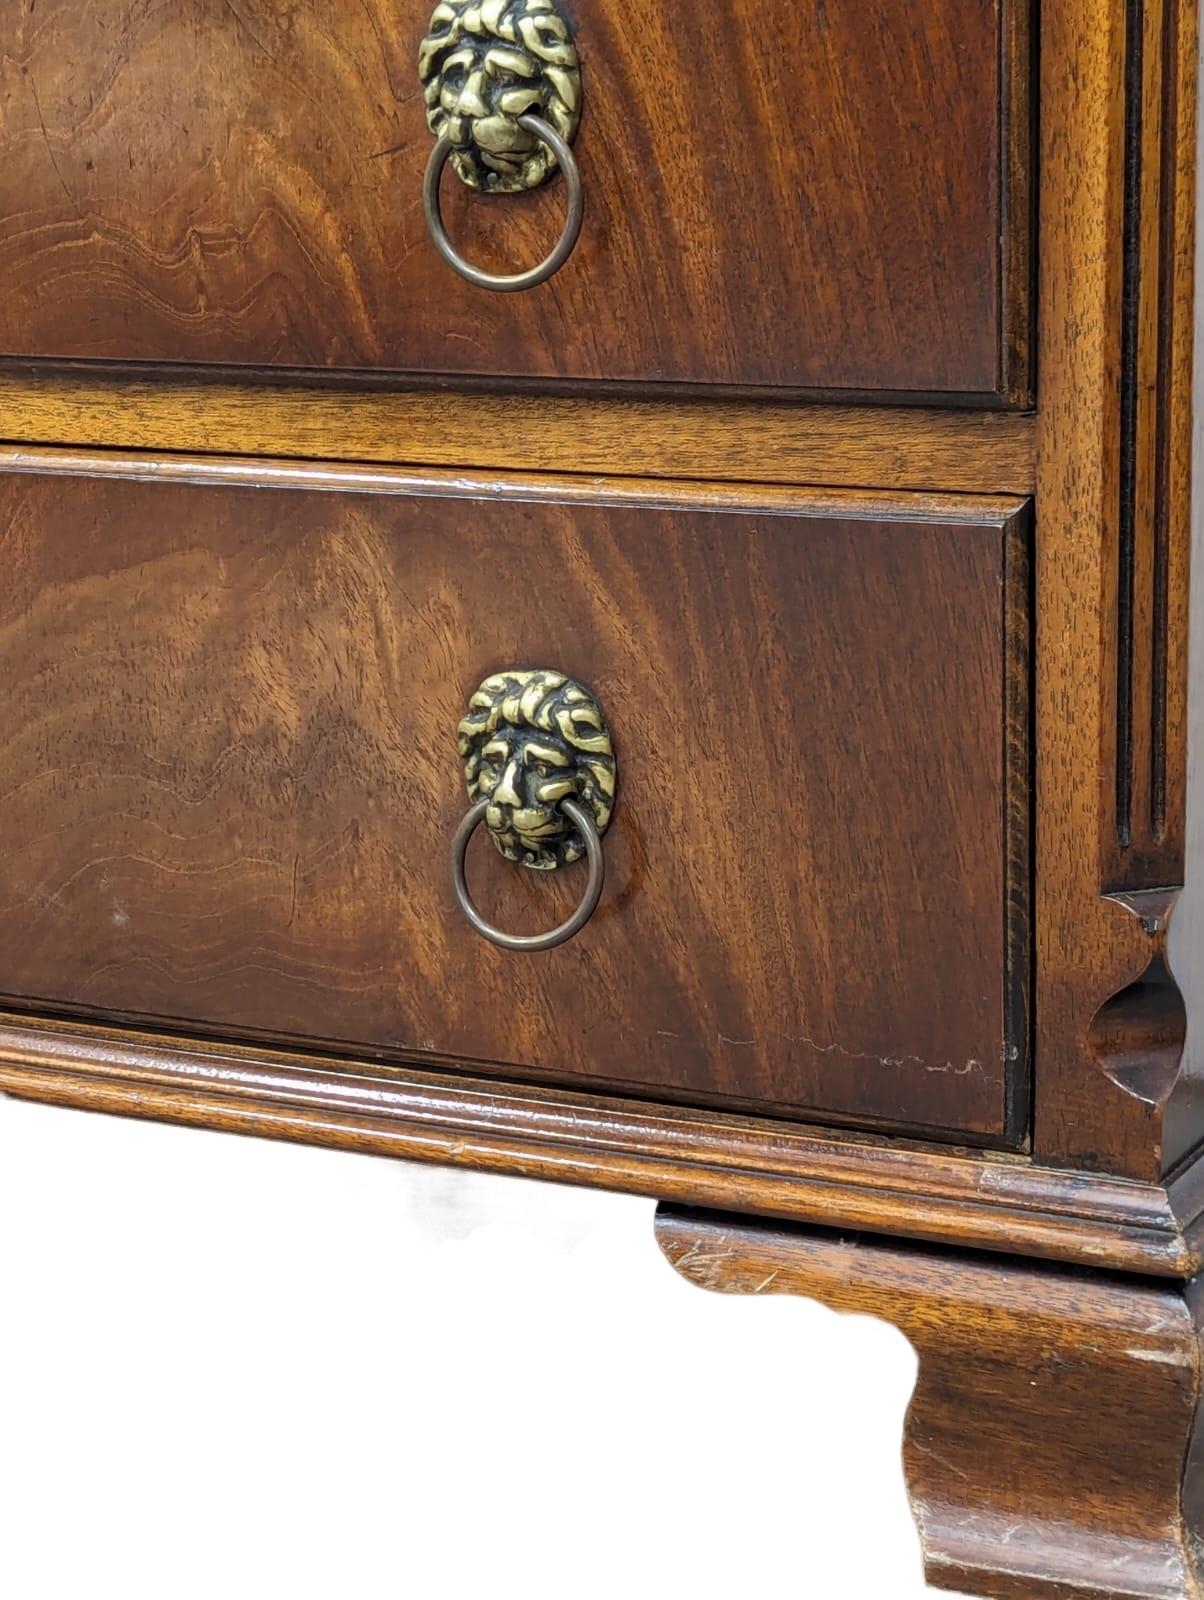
(821, 197)
(1117, 1079)
(987, 1199)
(1053, 1443)
(717, 440)
(231, 763)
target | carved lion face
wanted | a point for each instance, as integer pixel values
(530, 740)
(485, 63)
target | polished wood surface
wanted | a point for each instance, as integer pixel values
(141, 466)
(1053, 1442)
(764, 466)
(832, 198)
(1118, 1079)
(723, 441)
(991, 1200)
(231, 765)
(1120, 1086)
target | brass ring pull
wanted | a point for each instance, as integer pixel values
(507, 284)
(584, 823)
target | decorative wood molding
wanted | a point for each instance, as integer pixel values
(1153, 509)
(776, 1169)
(1139, 1034)
(1030, 1380)
(718, 439)
(467, 484)
(1019, 978)
(1113, 535)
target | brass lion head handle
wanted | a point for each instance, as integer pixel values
(540, 769)
(484, 64)
(502, 85)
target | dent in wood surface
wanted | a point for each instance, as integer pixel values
(1050, 1446)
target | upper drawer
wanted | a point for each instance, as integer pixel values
(829, 196)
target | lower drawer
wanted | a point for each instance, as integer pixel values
(230, 779)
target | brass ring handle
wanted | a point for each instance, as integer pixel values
(507, 284)
(584, 823)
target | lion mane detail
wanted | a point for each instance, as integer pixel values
(542, 706)
(485, 63)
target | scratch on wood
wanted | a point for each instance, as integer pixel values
(702, 1266)
(50, 150)
(292, 910)
(935, 1455)
(971, 1065)
(1170, 1358)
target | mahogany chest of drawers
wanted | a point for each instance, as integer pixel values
(605, 593)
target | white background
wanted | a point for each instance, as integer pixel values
(235, 1370)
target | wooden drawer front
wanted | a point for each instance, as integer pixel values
(827, 195)
(229, 780)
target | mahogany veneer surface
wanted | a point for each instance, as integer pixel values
(231, 778)
(823, 195)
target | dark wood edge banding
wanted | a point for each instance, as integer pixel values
(720, 440)
(1018, 143)
(1130, 380)
(696, 1158)
(1019, 612)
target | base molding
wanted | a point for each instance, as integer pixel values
(689, 1157)
(1053, 1447)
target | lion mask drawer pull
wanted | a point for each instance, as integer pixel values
(540, 769)
(503, 98)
